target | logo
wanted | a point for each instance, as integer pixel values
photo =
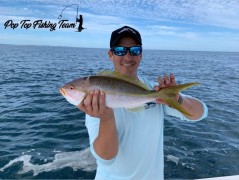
(79, 20)
(43, 24)
(149, 105)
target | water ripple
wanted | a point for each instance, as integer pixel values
(36, 122)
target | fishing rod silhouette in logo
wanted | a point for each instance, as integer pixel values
(78, 20)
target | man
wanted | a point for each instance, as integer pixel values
(129, 145)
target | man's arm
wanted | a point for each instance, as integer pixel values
(106, 144)
(192, 106)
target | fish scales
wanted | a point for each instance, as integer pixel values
(113, 86)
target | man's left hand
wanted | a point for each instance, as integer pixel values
(165, 81)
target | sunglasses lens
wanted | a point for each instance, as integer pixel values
(135, 50)
(120, 51)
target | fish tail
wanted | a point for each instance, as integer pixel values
(168, 95)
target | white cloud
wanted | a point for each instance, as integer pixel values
(166, 21)
(170, 32)
(222, 13)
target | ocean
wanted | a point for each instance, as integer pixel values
(42, 136)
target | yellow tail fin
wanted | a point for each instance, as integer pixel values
(168, 95)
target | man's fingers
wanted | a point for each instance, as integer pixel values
(166, 79)
(94, 104)
(88, 102)
(156, 88)
(161, 82)
(102, 101)
(172, 79)
(95, 101)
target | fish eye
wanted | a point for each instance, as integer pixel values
(72, 87)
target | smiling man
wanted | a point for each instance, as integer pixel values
(126, 144)
(123, 40)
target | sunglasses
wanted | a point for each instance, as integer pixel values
(121, 50)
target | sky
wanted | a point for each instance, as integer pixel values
(198, 25)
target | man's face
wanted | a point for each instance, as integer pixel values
(126, 64)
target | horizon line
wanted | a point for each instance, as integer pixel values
(109, 48)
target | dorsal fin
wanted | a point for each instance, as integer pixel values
(123, 77)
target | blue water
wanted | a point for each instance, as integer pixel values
(42, 136)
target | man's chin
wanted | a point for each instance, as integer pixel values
(128, 72)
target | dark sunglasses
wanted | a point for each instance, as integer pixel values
(121, 50)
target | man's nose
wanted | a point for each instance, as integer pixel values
(128, 56)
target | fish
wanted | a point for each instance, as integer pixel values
(122, 91)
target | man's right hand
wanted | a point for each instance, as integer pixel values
(94, 105)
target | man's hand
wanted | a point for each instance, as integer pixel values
(94, 105)
(193, 106)
(164, 82)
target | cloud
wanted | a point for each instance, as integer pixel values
(218, 13)
(208, 22)
(170, 31)
(222, 13)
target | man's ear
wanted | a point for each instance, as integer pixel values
(110, 54)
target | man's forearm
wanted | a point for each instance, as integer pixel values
(193, 106)
(106, 144)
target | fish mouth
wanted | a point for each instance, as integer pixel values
(62, 91)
